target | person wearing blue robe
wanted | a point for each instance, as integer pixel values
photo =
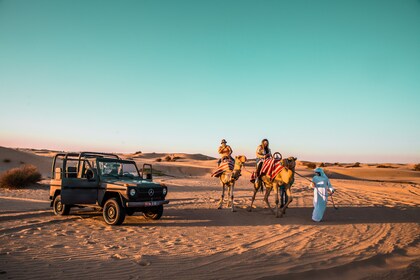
(322, 187)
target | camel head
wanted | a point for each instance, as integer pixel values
(290, 162)
(239, 162)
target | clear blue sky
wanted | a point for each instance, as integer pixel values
(322, 80)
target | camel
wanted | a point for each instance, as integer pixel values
(228, 179)
(284, 178)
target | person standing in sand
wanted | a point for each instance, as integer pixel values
(225, 151)
(322, 187)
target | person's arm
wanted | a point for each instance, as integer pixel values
(221, 149)
(230, 150)
(259, 152)
(330, 187)
(269, 153)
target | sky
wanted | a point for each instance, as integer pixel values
(322, 80)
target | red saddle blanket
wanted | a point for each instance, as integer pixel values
(271, 167)
(226, 164)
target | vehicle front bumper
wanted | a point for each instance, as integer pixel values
(146, 203)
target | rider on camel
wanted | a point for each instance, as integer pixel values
(263, 152)
(225, 151)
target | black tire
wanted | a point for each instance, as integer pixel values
(130, 211)
(154, 213)
(59, 208)
(113, 212)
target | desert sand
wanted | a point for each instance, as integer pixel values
(375, 233)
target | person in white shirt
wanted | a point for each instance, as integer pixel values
(322, 187)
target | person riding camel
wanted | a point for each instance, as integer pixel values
(225, 151)
(263, 152)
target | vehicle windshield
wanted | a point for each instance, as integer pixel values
(118, 169)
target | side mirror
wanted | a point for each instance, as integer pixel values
(147, 172)
(90, 175)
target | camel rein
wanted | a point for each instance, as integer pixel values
(331, 195)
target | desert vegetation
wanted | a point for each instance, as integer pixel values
(309, 165)
(384, 166)
(356, 164)
(169, 158)
(20, 177)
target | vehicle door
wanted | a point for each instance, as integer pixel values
(76, 188)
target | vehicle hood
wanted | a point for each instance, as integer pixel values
(130, 182)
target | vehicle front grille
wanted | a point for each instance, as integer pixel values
(145, 194)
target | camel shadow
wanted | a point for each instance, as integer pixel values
(294, 216)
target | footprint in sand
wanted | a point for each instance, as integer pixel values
(54, 246)
(141, 260)
(22, 249)
(118, 257)
(112, 247)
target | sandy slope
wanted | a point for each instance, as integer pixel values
(375, 234)
(20, 157)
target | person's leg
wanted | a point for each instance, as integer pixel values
(286, 198)
(282, 196)
(259, 166)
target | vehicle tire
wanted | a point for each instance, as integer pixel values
(130, 211)
(113, 212)
(154, 213)
(59, 208)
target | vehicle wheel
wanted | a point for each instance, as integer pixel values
(59, 208)
(130, 211)
(113, 212)
(154, 213)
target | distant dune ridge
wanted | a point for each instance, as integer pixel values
(202, 165)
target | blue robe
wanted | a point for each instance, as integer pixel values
(322, 186)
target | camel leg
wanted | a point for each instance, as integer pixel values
(229, 186)
(277, 190)
(231, 196)
(267, 194)
(219, 206)
(252, 200)
(289, 194)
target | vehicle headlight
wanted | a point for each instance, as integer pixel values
(164, 191)
(132, 192)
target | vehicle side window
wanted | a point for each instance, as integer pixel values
(71, 169)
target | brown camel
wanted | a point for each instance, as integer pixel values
(228, 179)
(285, 178)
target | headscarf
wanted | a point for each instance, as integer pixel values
(321, 172)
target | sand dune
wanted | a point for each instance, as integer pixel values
(373, 235)
(20, 157)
